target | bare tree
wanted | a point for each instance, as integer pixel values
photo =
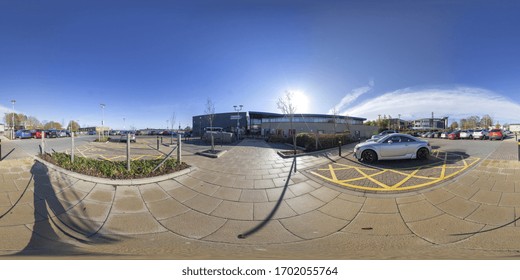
(33, 123)
(335, 117)
(486, 121)
(210, 114)
(287, 107)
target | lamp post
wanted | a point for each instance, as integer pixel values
(124, 123)
(12, 119)
(102, 120)
(399, 123)
(238, 109)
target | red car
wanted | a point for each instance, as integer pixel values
(454, 135)
(37, 133)
(496, 134)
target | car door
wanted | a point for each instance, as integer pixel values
(393, 147)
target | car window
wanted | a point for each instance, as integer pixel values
(406, 139)
(394, 139)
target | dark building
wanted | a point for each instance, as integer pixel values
(227, 121)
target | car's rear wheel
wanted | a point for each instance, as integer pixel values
(369, 156)
(422, 154)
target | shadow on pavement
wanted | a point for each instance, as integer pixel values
(56, 232)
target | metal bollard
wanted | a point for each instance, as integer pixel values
(72, 144)
(43, 142)
(128, 151)
(179, 144)
(157, 142)
(161, 140)
(339, 146)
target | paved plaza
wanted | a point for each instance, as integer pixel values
(460, 208)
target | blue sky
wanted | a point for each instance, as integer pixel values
(149, 59)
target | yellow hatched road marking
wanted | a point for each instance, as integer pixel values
(397, 186)
(332, 173)
(372, 179)
(405, 179)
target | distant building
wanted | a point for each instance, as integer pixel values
(265, 124)
(430, 123)
(227, 121)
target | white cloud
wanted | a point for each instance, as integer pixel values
(455, 103)
(352, 96)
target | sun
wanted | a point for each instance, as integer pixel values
(301, 101)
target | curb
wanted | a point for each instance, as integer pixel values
(128, 182)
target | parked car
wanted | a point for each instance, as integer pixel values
(125, 135)
(466, 134)
(445, 134)
(481, 134)
(23, 134)
(63, 133)
(51, 133)
(495, 134)
(383, 133)
(392, 146)
(36, 133)
(92, 132)
(454, 135)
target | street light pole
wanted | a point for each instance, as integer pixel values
(124, 123)
(12, 119)
(102, 120)
(238, 109)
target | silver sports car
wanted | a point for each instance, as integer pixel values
(392, 146)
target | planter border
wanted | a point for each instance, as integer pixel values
(124, 182)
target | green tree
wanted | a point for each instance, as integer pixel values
(454, 125)
(52, 125)
(19, 119)
(73, 126)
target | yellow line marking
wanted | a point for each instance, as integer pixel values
(372, 179)
(398, 186)
(332, 173)
(405, 179)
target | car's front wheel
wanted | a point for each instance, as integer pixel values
(369, 156)
(423, 154)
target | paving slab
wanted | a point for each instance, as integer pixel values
(341, 209)
(203, 203)
(253, 196)
(128, 224)
(312, 225)
(226, 193)
(167, 208)
(492, 215)
(234, 210)
(305, 203)
(263, 210)
(438, 196)
(273, 232)
(444, 229)
(417, 211)
(103, 194)
(377, 224)
(193, 224)
(458, 207)
(487, 197)
(182, 193)
(14, 238)
(152, 192)
(493, 238)
(380, 205)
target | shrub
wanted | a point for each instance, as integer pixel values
(114, 169)
(325, 141)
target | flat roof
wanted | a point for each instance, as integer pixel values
(260, 115)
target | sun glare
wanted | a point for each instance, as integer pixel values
(301, 102)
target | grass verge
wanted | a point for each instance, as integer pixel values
(114, 169)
